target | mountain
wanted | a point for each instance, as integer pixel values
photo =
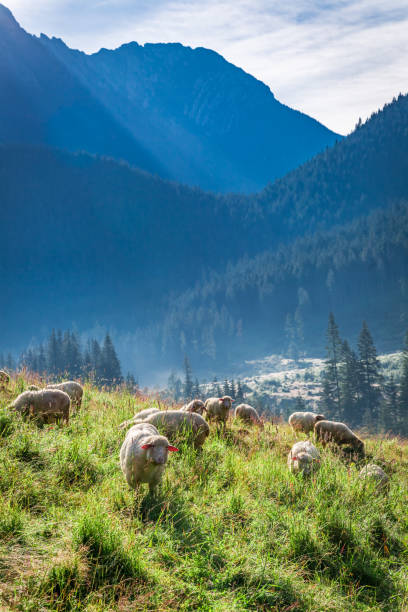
(42, 102)
(90, 240)
(185, 114)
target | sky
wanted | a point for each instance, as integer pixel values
(336, 60)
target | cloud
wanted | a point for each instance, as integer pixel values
(336, 60)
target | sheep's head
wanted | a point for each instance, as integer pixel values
(302, 462)
(197, 406)
(226, 401)
(319, 417)
(157, 449)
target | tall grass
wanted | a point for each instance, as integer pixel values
(230, 529)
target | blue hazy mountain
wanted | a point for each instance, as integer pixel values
(188, 115)
(88, 240)
(42, 102)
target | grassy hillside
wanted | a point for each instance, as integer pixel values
(230, 530)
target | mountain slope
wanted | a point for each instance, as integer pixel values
(42, 102)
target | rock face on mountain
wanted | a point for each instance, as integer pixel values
(185, 114)
(207, 121)
(43, 102)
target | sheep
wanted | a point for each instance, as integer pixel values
(218, 408)
(72, 388)
(247, 413)
(338, 433)
(304, 421)
(173, 422)
(195, 405)
(376, 474)
(47, 404)
(139, 417)
(4, 378)
(303, 457)
(143, 456)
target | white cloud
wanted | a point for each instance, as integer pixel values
(336, 60)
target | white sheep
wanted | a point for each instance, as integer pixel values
(218, 408)
(376, 474)
(176, 423)
(304, 421)
(72, 388)
(47, 404)
(247, 413)
(339, 433)
(139, 417)
(143, 456)
(303, 457)
(196, 405)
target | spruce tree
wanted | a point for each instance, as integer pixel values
(226, 388)
(53, 358)
(196, 390)
(350, 384)
(110, 370)
(370, 378)
(389, 412)
(240, 393)
(188, 380)
(331, 399)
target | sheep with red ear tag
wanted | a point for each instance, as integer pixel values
(303, 457)
(144, 455)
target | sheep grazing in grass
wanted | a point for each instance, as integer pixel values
(139, 417)
(218, 408)
(375, 474)
(304, 421)
(303, 457)
(195, 405)
(143, 456)
(4, 378)
(178, 423)
(247, 413)
(72, 388)
(339, 433)
(47, 405)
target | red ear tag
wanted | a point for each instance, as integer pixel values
(146, 446)
(294, 458)
(172, 449)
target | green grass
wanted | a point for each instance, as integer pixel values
(230, 529)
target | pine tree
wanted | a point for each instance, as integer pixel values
(226, 388)
(350, 384)
(389, 412)
(240, 393)
(110, 370)
(131, 384)
(370, 377)
(233, 390)
(96, 357)
(53, 358)
(188, 380)
(331, 399)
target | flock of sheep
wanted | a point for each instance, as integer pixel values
(144, 452)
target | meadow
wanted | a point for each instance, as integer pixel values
(230, 529)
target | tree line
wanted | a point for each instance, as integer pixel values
(354, 389)
(188, 388)
(63, 355)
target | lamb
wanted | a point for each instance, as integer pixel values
(174, 422)
(303, 457)
(304, 421)
(195, 405)
(376, 474)
(247, 413)
(4, 378)
(139, 417)
(143, 456)
(338, 433)
(47, 405)
(72, 388)
(218, 408)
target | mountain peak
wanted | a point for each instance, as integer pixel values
(7, 19)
